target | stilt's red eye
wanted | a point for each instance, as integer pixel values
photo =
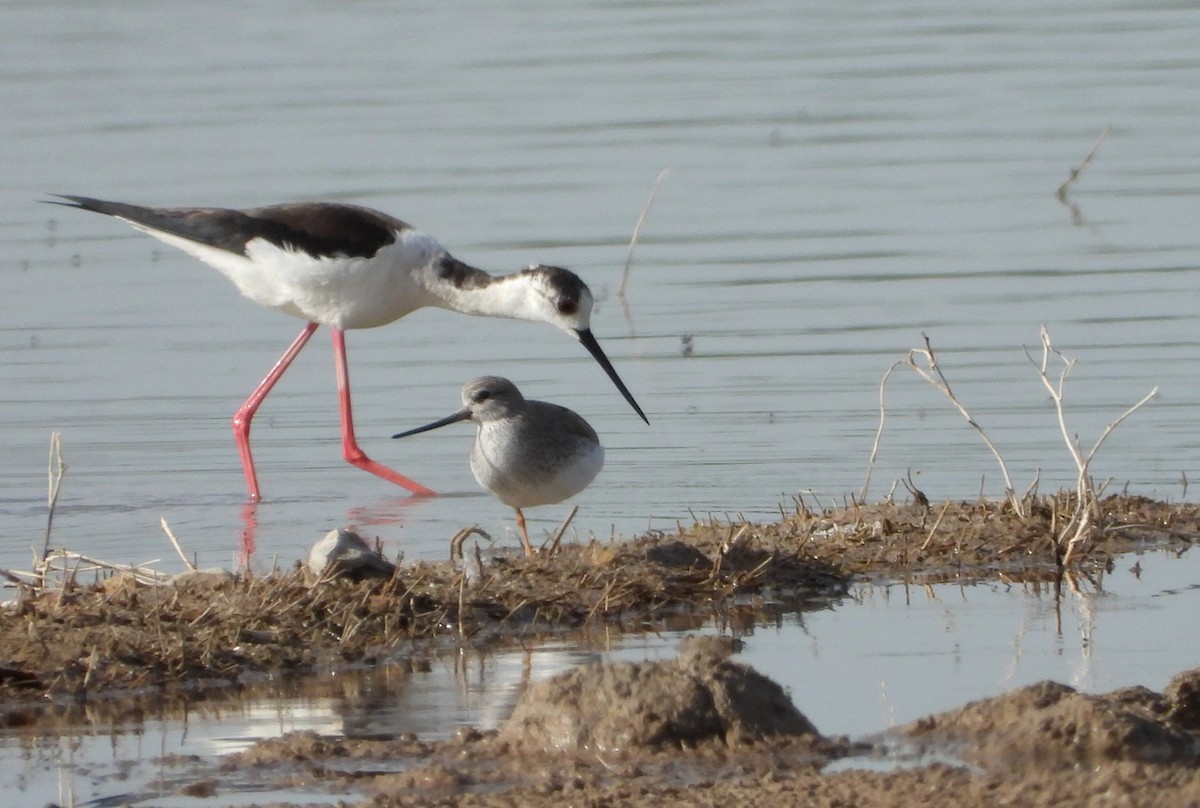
(567, 306)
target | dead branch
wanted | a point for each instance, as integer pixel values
(55, 470)
(932, 373)
(879, 431)
(1077, 170)
(175, 543)
(936, 524)
(69, 564)
(1087, 497)
(637, 230)
(456, 541)
(554, 542)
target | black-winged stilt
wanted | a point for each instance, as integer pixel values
(345, 266)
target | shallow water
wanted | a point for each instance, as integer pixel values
(843, 180)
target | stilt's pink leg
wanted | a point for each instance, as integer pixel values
(354, 455)
(249, 535)
(242, 418)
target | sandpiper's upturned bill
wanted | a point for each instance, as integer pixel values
(526, 452)
(345, 266)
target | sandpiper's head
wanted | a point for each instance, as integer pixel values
(565, 301)
(488, 398)
(491, 398)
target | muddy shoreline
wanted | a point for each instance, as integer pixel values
(115, 647)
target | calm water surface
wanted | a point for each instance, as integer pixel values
(844, 179)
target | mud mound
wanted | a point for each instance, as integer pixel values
(698, 697)
(1052, 725)
(1183, 698)
(675, 734)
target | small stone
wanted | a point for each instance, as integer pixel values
(342, 553)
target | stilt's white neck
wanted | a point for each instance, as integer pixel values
(539, 294)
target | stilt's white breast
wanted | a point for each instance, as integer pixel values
(339, 291)
(346, 292)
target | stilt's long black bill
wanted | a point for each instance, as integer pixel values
(461, 415)
(589, 342)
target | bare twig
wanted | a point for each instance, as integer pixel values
(1108, 429)
(70, 564)
(891, 494)
(919, 498)
(878, 432)
(1031, 491)
(175, 543)
(1083, 533)
(1062, 194)
(554, 542)
(637, 231)
(933, 530)
(1077, 170)
(1087, 496)
(55, 470)
(456, 541)
(931, 372)
(462, 599)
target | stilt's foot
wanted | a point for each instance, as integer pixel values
(367, 464)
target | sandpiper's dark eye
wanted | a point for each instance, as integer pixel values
(482, 395)
(567, 306)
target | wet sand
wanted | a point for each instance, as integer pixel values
(701, 729)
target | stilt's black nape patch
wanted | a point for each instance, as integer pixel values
(460, 275)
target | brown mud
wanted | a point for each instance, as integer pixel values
(721, 738)
(699, 730)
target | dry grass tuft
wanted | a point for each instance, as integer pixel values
(129, 631)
